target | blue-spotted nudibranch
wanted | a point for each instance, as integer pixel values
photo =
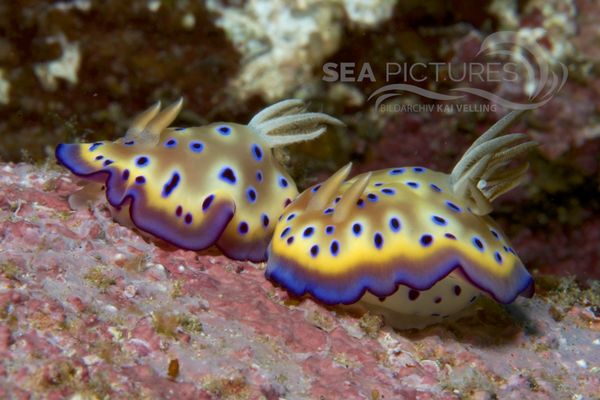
(406, 241)
(200, 186)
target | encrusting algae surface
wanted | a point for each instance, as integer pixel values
(387, 232)
(90, 309)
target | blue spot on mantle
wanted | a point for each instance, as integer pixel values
(228, 175)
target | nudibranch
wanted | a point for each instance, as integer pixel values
(407, 241)
(218, 184)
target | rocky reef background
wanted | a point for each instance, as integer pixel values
(79, 70)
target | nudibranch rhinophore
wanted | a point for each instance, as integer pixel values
(408, 241)
(196, 187)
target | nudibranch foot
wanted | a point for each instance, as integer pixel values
(445, 298)
(88, 196)
(197, 187)
(420, 242)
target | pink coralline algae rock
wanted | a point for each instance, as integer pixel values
(89, 309)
